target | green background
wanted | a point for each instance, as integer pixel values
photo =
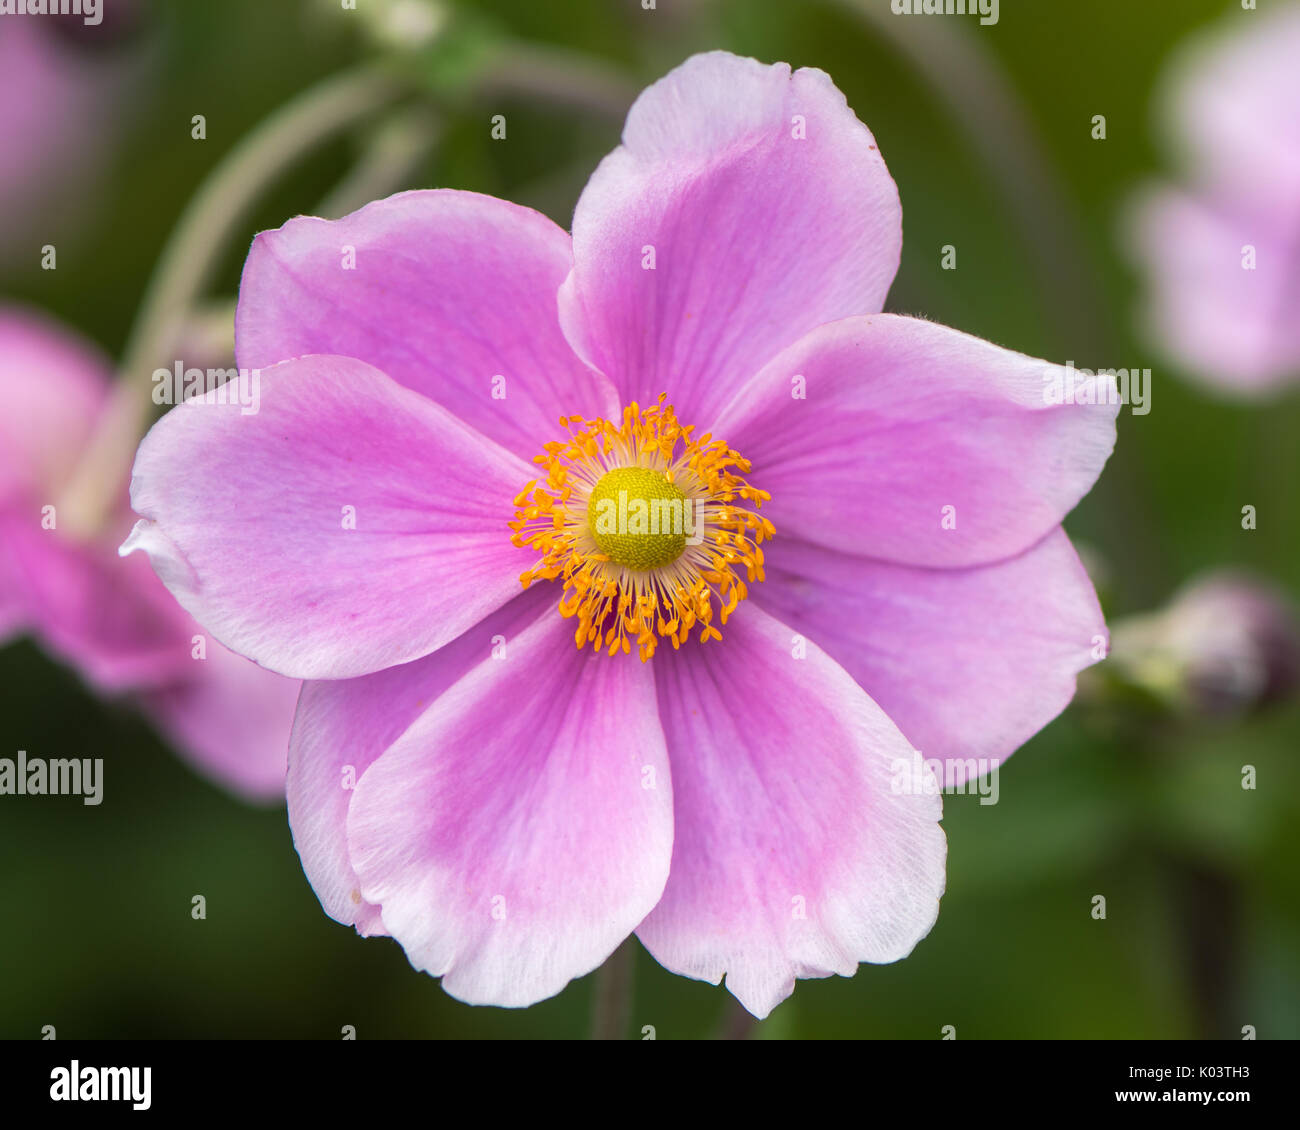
(1203, 926)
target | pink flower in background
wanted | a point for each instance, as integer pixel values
(108, 619)
(61, 101)
(1222, 251)
(708, 740)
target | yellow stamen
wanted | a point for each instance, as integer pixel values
(645, 537)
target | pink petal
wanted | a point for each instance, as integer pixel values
(230, 719)
(343, 725)
(970, 663)
(522, 827)
(1232, 100)
(112, 621)
(106, 618)
(450, 291)
(796, 853)
(758, 235)
(1236, 330)
(245, 520)
(14, 613)
(902, 418)
(52, 388)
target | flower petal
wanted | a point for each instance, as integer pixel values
(522, 827)
(1236, 330)
(13, 609)
(970, 663)
(450, 293)
(1229, 99)
(118, 628)
(796, 853)
(52, 389)
(108, 619)
(348, 525)
(342, 727)
(230, 719)
(111, 620)
(768, 209)
(869, 429)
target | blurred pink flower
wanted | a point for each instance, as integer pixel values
(510, 806)
(65, 87)
(1221, 252)
(109, 619)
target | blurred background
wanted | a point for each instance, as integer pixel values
(990, 131)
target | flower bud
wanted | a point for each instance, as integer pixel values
(1227, 644)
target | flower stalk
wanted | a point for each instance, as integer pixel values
(611, 1007)
(192, 252)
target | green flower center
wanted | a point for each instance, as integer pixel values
(638, 518)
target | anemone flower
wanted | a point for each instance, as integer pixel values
(1221, 251)
(772, 545)
(109, 620)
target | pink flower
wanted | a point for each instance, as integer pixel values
(111, 620)
(1222, 253)
(60, 103)
(510, 806)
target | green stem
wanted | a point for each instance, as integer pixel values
(566, 78)
(738, 1023)
(192, 252)
(389, 161)
(611, 1007)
